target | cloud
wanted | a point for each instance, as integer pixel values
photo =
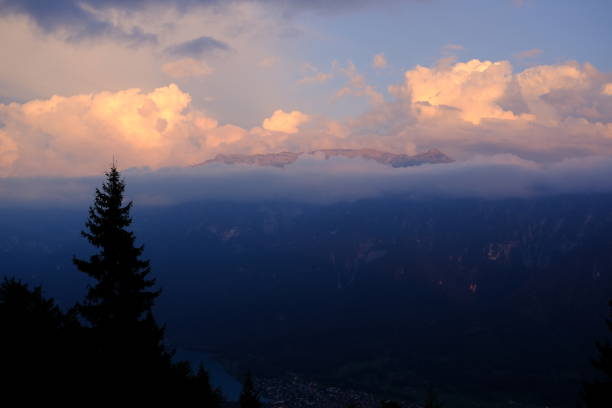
(314, 179)
(472, 89)
(93, 66)
(197, 48)
(534, 52)
(607, 89)
(544, 114)
(77, 135)
(379, 61)
(450, 51)
(453, 47)
(76, 20)
(313, 75)
(8, 150)
(281, 121)
(186, 68)
(317, 78)
(357, 86)
(477, 91)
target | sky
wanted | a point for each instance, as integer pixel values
(160, 84)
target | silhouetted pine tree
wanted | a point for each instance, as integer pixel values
(432, 401)
(128, 343)
(249, 397)
(598, 394)
(389, 404)
(38, 342)
(211, 397)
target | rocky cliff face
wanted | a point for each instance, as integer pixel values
(269, 159)
(433, 156)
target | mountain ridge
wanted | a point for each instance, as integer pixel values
(282, 159)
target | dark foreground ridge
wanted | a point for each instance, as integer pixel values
(282, 159)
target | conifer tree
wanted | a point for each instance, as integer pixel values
(209, 396)
(127, 341)
(249, 397)
(34, 345)
(598, 393)
(389, 404)
(431, 401)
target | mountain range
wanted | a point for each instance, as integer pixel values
(282, 159)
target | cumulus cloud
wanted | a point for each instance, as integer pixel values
(472, 88)
(379, 61)
(286, 122)
(77, 135)
(186, 68)
(564, 98)
(543, 114)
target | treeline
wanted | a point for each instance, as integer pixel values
(109, 347)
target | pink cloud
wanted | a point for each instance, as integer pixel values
(543, 113)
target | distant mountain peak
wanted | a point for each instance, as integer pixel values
(267, 159)
(282, 159)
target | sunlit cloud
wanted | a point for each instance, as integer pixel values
(472, 89)
(286, 122)
(76, 134)
(545, 113)
(379, 61)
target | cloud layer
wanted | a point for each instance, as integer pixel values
(545, 113)
(556, 110)
(78, 135)
(314, 179)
